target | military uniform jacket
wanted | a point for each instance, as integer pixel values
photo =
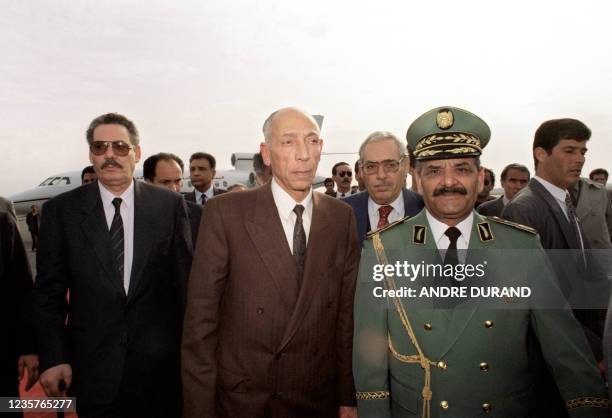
(477, 356)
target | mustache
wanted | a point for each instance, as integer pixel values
(111, 162)
(443, 190)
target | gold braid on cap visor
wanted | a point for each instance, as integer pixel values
(457, 143)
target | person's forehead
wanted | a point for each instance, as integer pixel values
(293, 122)
(200, 162)
(381, 150)
(111, 132)
(343, 167)
(569, 142)
(448, 162)
(516, 173)
(165, 167)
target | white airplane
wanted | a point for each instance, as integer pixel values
(63, 182)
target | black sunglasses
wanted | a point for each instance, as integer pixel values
(345, 173)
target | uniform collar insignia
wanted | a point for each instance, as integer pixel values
(484, 232)
(418, 234)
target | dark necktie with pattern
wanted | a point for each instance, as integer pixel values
(203, 199)
(383, 213)
(116, 236)
(573, 220)
(299, 242)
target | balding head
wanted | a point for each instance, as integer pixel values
(287, 112)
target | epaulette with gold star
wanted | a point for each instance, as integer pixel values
(514, 224)
(386, 227)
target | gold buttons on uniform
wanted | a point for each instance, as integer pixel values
(442, 365)
(484, 367)
(427, 327)
(444, 405)
(488, 324)
(486, 407)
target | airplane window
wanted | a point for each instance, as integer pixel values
(54, 181)
(64, 181)
(46, 182)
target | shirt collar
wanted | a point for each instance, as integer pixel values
(439, 228)
(397, 204)
(557, 192)
(285, 203)
(107, 196)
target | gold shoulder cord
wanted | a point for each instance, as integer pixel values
(399, 307)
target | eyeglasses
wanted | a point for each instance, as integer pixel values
(119, 147)
(389, 166)
(345, 173)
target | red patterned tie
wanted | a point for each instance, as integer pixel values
(384, 212)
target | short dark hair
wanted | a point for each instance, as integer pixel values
(88, 169)
(258, 163)
(514, 166)
(492, 174)
(205, 156)
(551, 132)
(598, 171)
(113, 119)
(328, 180)
(356, 167)
(150, 164)
(335, 167)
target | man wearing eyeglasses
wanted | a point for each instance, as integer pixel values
(343, 176)
(383, 166)
(123, 250)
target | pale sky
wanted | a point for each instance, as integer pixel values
(203, 75)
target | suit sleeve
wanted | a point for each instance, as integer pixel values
(19, 282)
(206, 285)
(52, 281)
(564, 345)
(344, 325)
(370, 349)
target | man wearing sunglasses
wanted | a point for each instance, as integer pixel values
(383, 165)
(343, 176)
(122, 249)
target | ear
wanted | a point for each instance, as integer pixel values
(481, 176)
(540, 154)
(137, 151)
(265, 153)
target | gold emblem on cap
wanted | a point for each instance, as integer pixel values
(445, 119)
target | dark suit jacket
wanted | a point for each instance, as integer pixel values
(492, 207)
(413, 203)
(594, 210)
(190, 197)
(110, 336)
(194, 211)
(15, 292)
(254, 344)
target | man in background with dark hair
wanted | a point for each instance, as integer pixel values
(123, 249)
(166, 170)
(489, 183)
(599, 175)
(360, 183)
(263, 173)
(33, 222)
(202, 172)
(329, 187)
(343, 176)
(514, 178)
(88, 175)
(559, 148)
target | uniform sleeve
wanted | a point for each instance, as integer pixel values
(370, 348)
(564, 346)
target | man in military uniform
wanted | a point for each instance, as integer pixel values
(460, 357)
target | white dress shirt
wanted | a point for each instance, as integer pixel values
(438, 230)
(209, 194)
(127, 216)
(285, 205)
(396, 214)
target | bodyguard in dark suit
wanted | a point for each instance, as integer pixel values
(122, 249)
(166, 170)
(383, 166)
(18, 346)
(269, 322)
(202, 173)
(514, 178)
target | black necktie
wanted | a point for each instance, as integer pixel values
(451, 256)
(573, 220)
(116, 234)
(299, 242)
(203, 199)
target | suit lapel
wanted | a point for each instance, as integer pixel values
(319, 244)
(143, 237)
(361, 216)
(562, 221)
(96, 231)
(266, 232)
